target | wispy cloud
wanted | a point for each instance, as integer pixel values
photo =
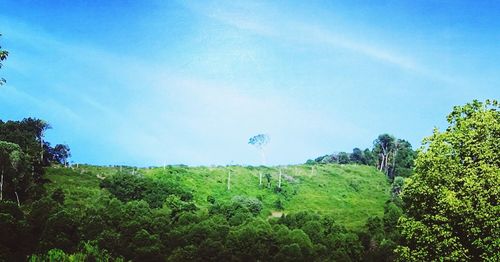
(254, 18)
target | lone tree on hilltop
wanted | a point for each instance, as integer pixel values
(260, 141)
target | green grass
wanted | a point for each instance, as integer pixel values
(350, 193)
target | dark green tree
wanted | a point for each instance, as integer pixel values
(343, 158)
(369, 158)
(13, 231)
(60, 154)
(15, 178)
(357, 156)
(403, 157)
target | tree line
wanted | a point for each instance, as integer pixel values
(389, 154)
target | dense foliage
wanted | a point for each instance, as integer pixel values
(23, 155)
(229, 231)
(447, 210)
(127, 187)
(390, 155)
(451, 203)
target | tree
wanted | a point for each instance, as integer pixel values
(260, 141)
(402, 161)
(451, 202)
(384, 146)
(343, 158)
(14, 177)
(62, 153)
(58, 154)
(3, 56)
(357, 156)
(369, 159)
(13, 231)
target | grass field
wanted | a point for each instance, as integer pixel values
(350, 193)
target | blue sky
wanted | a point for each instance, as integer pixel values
(148, 82)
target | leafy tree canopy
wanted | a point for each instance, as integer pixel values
(451, 202)
(259, 141)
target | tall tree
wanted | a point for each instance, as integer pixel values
(451, 202)
(260, 141)
(384, 146)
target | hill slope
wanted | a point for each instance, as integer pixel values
(350, 193)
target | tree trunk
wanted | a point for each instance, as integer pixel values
(385, 156)
(260, 179)
(229, 180)
(386, 165)
(17, 197)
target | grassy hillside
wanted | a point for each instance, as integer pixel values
(350, 193)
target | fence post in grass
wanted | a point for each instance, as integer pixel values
(279, 179)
